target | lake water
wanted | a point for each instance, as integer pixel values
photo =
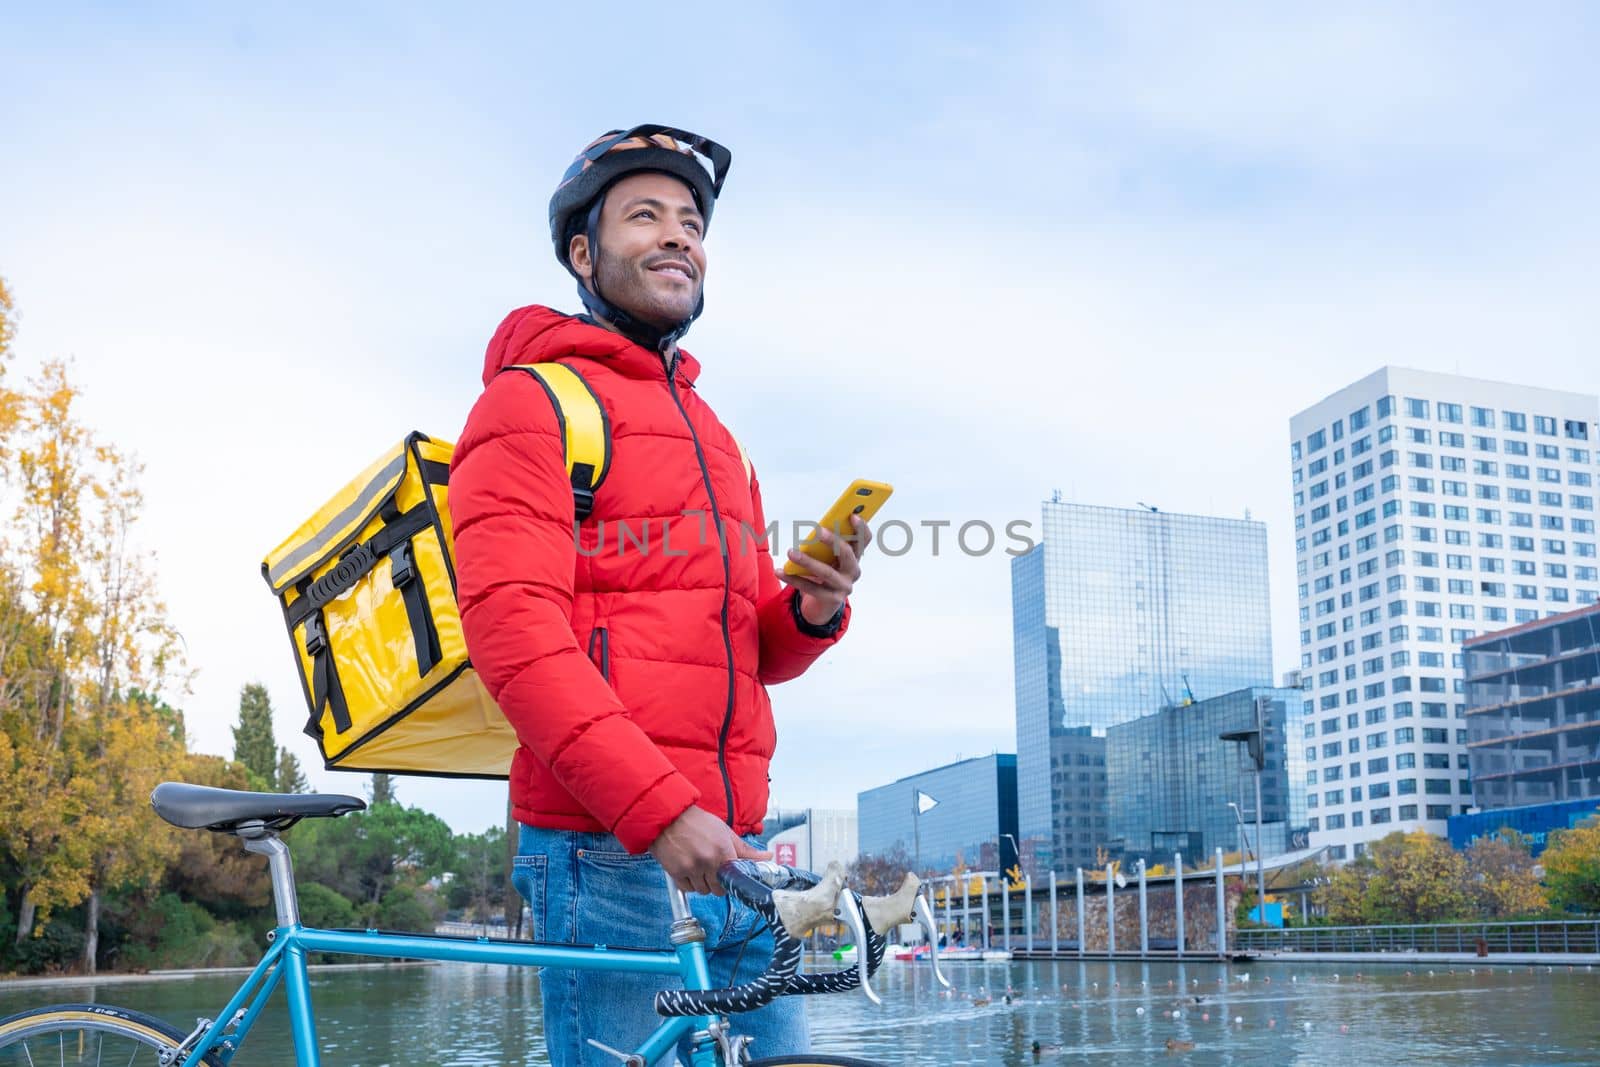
(1345, 1015)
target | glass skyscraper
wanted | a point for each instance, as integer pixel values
(1117, 613)
(1427, 508)
(1170, 778)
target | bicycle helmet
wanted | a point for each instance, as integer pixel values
(575, 206)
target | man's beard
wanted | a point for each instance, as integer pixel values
(625, 284)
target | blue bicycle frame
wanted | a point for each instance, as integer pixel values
(285, 963)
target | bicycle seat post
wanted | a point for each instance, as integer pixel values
(264, 842)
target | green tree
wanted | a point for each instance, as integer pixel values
(1572, 868)
(364, 855)
(382, 790)
(408, 908)
(478, 883)
(1501, 878)
(253, 742)
(324, 907)
(290, 778)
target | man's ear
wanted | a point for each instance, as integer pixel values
(578, 256)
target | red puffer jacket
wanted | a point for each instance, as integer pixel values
(634, 676)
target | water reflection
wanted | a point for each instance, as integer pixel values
(1079, 1012)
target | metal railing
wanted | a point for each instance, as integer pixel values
(1581, 935)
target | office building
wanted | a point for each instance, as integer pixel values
(1115, 614)
(1533, 712)
(1170, 778)
(962, 814)
(1427, 508)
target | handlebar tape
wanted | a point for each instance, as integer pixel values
(754, 885)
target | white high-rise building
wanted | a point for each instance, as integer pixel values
(1428, 508)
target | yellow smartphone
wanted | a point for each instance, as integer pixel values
(863, 498)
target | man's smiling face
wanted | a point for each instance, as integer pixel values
(652, 264)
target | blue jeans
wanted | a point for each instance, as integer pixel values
(585, 889)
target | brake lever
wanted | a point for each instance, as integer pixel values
(925, 920)
(849, 913)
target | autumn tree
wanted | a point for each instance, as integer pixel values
(1572, 868)
(1402, 878)
(1502, 879)
(874, 874)
(215, 868)
(253, 742)
(83, 640)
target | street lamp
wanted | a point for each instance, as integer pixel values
(1255, 744)
(1016, 852)
(1244, 839)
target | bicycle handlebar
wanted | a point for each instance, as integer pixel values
(793, 902)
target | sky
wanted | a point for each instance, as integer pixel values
(984, 255)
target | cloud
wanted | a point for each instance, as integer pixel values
(1108, 252)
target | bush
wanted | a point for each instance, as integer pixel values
(179, 933)
(56, 946)
(321, 906)
(404, 908)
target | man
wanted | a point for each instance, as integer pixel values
(634, 669)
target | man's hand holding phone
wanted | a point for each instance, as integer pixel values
(825, 568)
(823, 587)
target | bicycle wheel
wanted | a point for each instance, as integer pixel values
(82, 1034)
(812, 1060)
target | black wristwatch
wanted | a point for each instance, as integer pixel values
(811, 629)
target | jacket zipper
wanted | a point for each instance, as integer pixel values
(601, 634)
(727, 583)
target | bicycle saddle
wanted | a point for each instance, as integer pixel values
(196, 807)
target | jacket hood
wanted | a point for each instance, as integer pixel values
(537, 334)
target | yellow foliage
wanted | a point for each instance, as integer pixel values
(1572, 867)
(83, 638)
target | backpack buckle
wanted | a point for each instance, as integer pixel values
(402, 566)
(316, 635)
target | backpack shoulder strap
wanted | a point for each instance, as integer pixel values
(744, 457)
(585, 429)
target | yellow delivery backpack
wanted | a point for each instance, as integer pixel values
(367, 586)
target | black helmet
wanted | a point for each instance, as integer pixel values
(575, 205)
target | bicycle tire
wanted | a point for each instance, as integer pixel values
(812, 1060)
(93, 1024)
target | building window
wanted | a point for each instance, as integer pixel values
(1416, 409)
